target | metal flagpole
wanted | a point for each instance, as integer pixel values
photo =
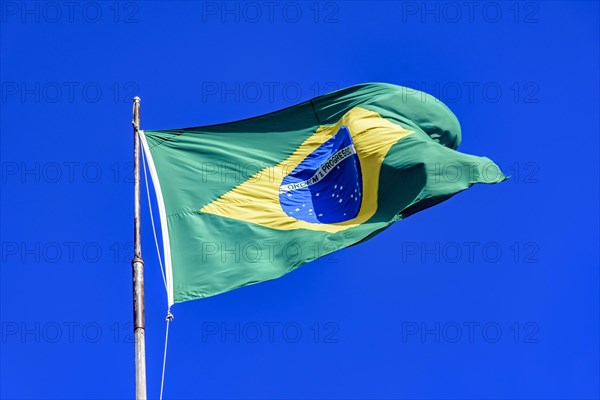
(138, 266)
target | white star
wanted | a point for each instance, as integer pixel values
(303, 205)
(338, 167)
(320, 215)
(297, 209)
(335, 186)
(344, 213)
(317, 194)
(332, 194)
(289, 195)
(356, 190)
(310, 210)
(340, 201)
(351, 195)
(337, 195)
(341, 187)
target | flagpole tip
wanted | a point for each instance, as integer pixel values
(136, 99)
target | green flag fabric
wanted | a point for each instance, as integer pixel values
(249, 201)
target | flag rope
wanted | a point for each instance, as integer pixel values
(162, 380)
(162, 270)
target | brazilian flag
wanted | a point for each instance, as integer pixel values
(249, 201)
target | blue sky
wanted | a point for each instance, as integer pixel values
(492, 294)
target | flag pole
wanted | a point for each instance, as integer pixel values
(138, 265)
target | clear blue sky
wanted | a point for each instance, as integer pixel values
(492, 294)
